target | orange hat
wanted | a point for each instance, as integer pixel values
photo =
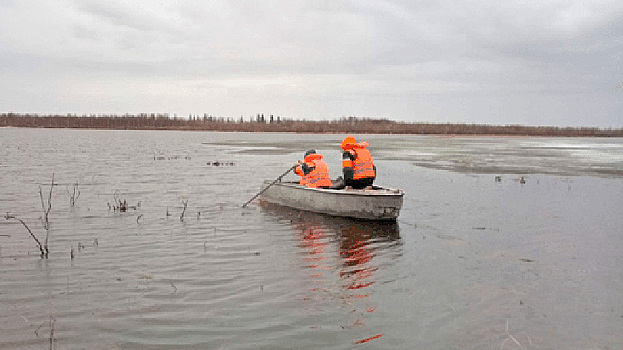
(348, 142)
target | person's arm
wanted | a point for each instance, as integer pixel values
(347, 165)
(307, 169)
(303, 169)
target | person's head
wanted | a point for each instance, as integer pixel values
(311, 151)
(348, 142)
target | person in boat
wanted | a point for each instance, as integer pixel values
(357, 164)
(313, 171)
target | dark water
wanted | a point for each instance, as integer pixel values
(472, 263)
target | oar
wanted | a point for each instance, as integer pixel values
(272, 183)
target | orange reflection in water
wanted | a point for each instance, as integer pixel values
(340, 250)
(357, 269)
(314, 244)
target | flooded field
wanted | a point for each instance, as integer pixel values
(478, 259)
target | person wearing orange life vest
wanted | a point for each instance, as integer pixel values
(357, 165)
(314, 171)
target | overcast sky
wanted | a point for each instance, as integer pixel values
(497, 62)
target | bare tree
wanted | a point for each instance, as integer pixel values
(73, 197)
(52, 339)
(43, 250)
(47, 207)
(185, 203)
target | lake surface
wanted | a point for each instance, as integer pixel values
(471, 263)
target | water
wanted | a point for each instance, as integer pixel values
(472, 263)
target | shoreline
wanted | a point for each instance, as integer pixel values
(284, 125)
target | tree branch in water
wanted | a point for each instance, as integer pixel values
(43, 251)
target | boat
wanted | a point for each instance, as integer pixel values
(375, 203)
(352, 229)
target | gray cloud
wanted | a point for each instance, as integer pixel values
(556, 63)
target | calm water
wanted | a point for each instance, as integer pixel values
(472, 263)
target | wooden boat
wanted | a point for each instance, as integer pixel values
(377, 203)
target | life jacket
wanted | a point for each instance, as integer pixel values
(319, 176)
(362, 165)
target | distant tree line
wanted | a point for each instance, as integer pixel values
(271, 123)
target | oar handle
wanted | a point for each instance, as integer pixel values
(272, 183)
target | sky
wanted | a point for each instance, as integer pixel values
(557, 62)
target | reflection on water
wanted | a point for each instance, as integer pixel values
(340, 251)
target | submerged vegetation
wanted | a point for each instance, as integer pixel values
(259, 123)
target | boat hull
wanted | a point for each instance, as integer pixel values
(379, 203)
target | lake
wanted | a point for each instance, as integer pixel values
(478, 259)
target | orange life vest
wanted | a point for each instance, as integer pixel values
(362, 165)
(319, 176)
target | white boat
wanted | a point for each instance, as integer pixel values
(375, 203)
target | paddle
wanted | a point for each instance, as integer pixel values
(272, 183)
